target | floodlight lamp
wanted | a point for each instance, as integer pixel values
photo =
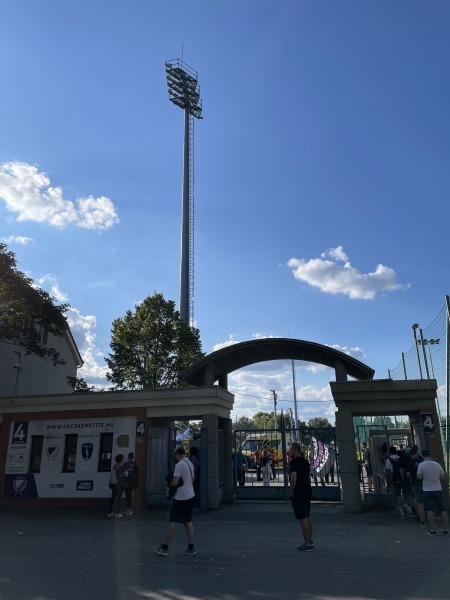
(415, 326)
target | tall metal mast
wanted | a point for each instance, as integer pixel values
(184, 91)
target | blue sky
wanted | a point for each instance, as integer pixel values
(321, 172)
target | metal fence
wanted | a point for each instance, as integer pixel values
(428, 358)
(269, 478)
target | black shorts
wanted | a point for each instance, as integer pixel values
(302, 508)
(181, 511)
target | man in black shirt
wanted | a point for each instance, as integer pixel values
(300, 488)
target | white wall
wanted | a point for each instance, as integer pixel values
(37, 376)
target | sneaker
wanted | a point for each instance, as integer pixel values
(422, 524)
(305, 548)
(431, 532)
(161, 550)
(111, 514)
(445, 532)
(190, 551)
(128, 511)
(119, 516)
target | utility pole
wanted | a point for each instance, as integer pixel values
(275, 407)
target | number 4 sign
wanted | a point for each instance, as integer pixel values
(20, 432)
(427, 422)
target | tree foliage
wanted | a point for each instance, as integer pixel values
(151, 346)
(26, 311)
(79, 385)
(319, 423)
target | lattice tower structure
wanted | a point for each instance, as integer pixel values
(184, 92)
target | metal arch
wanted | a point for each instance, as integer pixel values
(217, 365)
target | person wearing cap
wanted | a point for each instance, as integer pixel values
(182, 504)
(432, 475)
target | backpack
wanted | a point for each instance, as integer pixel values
(414, 463)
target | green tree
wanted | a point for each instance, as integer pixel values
(151, 346)
(319, 423)
(79, 385)
(27, 313)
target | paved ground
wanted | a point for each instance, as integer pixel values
(245, 551)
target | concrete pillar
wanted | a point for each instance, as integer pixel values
(210, 423)
(223, 381)
(208, 375)
(228, 490)
(340, 371)
(348, 463)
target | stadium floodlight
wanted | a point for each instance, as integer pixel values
(184, 92)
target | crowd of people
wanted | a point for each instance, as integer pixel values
(416, 483)
(415, 480)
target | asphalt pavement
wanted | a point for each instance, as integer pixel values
(245, 551)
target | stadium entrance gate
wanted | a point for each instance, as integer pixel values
(254, 479)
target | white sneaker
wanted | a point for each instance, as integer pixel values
(111, 514)
(128, 511)
(119, 516)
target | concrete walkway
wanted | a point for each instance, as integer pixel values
(245, 551)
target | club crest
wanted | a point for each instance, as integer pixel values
(87, 450)
(19, 485)
(52, 452)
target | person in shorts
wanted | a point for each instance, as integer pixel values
(182, 504)
(300, 488)
(432, 475)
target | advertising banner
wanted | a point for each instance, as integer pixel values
(68, 458)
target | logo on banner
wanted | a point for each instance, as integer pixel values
(85, 485)
(123, 441)
(86, 450)
(52, 452)
(19, 485)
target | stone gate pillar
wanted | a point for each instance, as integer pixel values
(348, 463)
(210, 423)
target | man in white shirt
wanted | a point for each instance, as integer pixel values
(432, 475)
(182, 504)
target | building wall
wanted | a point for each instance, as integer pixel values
(37, 375)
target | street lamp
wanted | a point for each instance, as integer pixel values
(275, 407)
(414, 327)
(18, 367)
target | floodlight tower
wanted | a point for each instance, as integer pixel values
(184, 91)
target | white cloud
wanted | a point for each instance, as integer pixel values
(229, 342)
(336, 254)
(27, 192)
(83, 328)
(329, 276)
(57, 294)
(18, 239)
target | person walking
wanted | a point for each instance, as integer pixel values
(432, 476)
(416, 484)
(133, 481)
(367, 465)
(117, 484)
(300, 489)
(265, 467)
(182, 504)
(396, 478)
